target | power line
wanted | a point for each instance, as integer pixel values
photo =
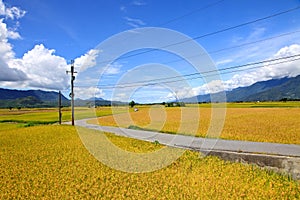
(209, 34)
(190, 13)
(193, 78)
(202, 74)
(236, 46)
(245, 24)
(256, 67)
(256, 63)
(217, 70)
(213, 33)
(215, 51)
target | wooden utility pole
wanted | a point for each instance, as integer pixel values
(72, 89)
(59, 107)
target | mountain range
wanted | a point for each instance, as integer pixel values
(91, 102)
(38, 98)
(287, 88)
(30, 98)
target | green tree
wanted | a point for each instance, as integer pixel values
(132, 104)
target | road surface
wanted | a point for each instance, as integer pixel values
(197, 143)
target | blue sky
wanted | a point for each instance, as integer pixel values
(40, 37)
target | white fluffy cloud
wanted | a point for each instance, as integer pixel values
(113, 69)
(287, 69)
(87, 60)
(181, 93)
(38, 68)
(43, 68)
(90, 92)
(8, 73)
(267, 72)
(11, 12)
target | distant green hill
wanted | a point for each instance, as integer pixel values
(288, 90)
(30, 98)
(38, 98)
(271, 90)
(97, 102)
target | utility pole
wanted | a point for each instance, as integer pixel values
(59, 107)
(72, 89)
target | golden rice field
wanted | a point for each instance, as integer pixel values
(271, 124)
(50, 162)
(50, 115)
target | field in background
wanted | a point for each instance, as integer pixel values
(262, 122)
(50, 115)
(288, 104)
(50, 161)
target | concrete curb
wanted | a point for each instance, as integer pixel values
(286, 165)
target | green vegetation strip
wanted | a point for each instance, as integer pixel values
(134, 127)
(22, 123)
(25, 121)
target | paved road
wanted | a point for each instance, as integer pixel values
(197, 143)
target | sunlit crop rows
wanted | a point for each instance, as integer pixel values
(279, 125)
(51, 114)
(10, 126)
(50, 162)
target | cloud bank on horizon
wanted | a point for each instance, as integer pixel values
(41, 68)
